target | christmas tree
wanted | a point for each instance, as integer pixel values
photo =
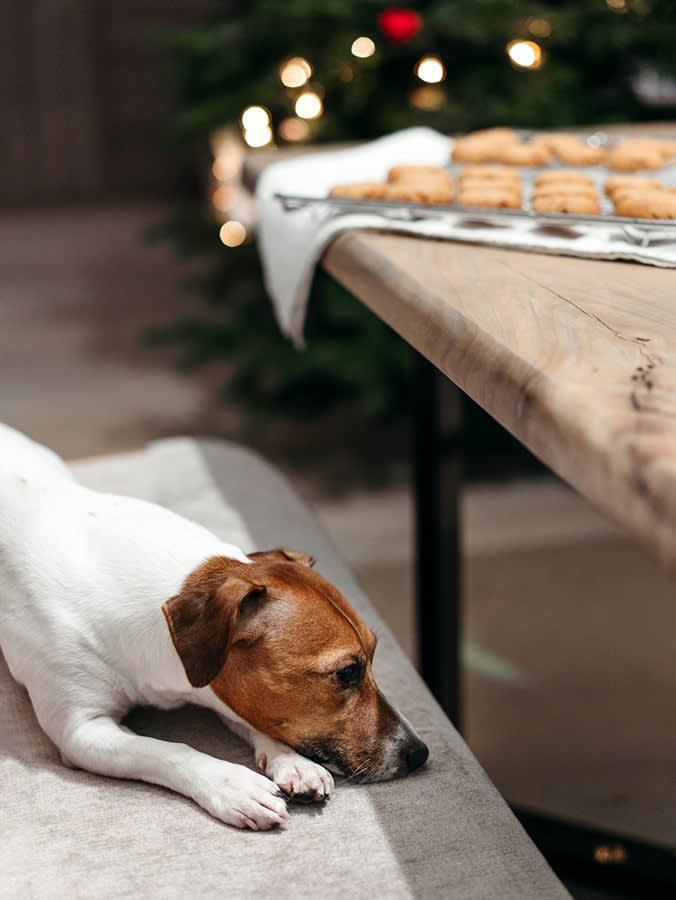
(300, 72)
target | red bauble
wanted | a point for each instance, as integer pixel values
(400, 25)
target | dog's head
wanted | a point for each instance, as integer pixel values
(282, 647)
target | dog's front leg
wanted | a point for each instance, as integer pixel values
(231, 793)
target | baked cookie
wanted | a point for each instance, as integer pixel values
(622, 182)
(583, 204)
(430, 192)
(366, 190)
(476, 150)
(408, 174)
(563, 176)
(571, 187)
(633, 155)
(525, 155)
(490, 184)
(490, 173)
(580, 154)
(555, 140)
(646, 205)
(499, 198)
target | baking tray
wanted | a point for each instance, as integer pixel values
(637, 231)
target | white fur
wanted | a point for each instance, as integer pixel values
(83, 576)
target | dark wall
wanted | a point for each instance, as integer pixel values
(84, 100)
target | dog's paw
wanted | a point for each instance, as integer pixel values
(240, 797)
(302, 780)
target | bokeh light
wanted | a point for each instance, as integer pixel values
(232, 233)
(363, 47)
(309, 105)
(525, 54)
(430, 69)
(295, 72)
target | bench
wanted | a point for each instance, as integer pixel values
(442, 832)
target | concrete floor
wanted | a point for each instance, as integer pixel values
(571, 675)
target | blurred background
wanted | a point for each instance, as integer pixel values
(132, 307)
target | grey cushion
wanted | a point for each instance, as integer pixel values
(442, 832)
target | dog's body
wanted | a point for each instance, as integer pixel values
(108, 602)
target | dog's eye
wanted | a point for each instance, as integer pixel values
(349, 675)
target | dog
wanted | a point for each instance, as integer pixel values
(110, 602)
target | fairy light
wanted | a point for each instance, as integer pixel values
(309, 105)
(256, 126)
(232, 233)
(541, 27)
(430, 69)
(255, 117)
(427, 97)
(293, 129)
(525, 54)
(295, 72)
(363, 47)
(617, 5)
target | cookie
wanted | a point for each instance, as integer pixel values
(553, 140)
(634, 155)
(408, 174)
(582, 204)
(525, 155)
(476, 150)
(367, 190)
(563, 176)
(477, 183)
(492, 196)
(432, 192)
(490, 173)
(621, 182)
(566, 188)
(580, 154)
(646, 205)
(500, 135)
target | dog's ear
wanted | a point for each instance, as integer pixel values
(284, 554)
(206, 618)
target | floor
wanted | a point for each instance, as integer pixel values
(570, 670)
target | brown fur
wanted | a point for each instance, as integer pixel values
(269, 638)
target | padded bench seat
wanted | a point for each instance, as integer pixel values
(442, 832)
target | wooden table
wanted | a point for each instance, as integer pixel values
(575, 357)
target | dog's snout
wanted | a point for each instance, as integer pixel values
(416, 755)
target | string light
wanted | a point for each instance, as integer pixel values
(430, 69)
(232, 233)
(540, 27)
(525, 54)
(309, 105)
(427, 97)
(293, 129)
(256, 126)
(363, 47)
(225, 197)
(619, 6)
(295, 72)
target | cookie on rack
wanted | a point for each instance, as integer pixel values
(578, 153)
(563, 176)
(635, 154)
(525, 155)
(365, 190)
(432, 191)
(490, 196)
(413, 174)
(505, 174)
(646, 204)
(566, 202)
(615, 183)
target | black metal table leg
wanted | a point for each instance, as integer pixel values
(438, 473)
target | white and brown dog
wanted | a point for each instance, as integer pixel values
(109, 602)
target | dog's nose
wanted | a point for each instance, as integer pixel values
(416, 755)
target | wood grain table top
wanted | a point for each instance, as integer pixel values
(575, 357)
